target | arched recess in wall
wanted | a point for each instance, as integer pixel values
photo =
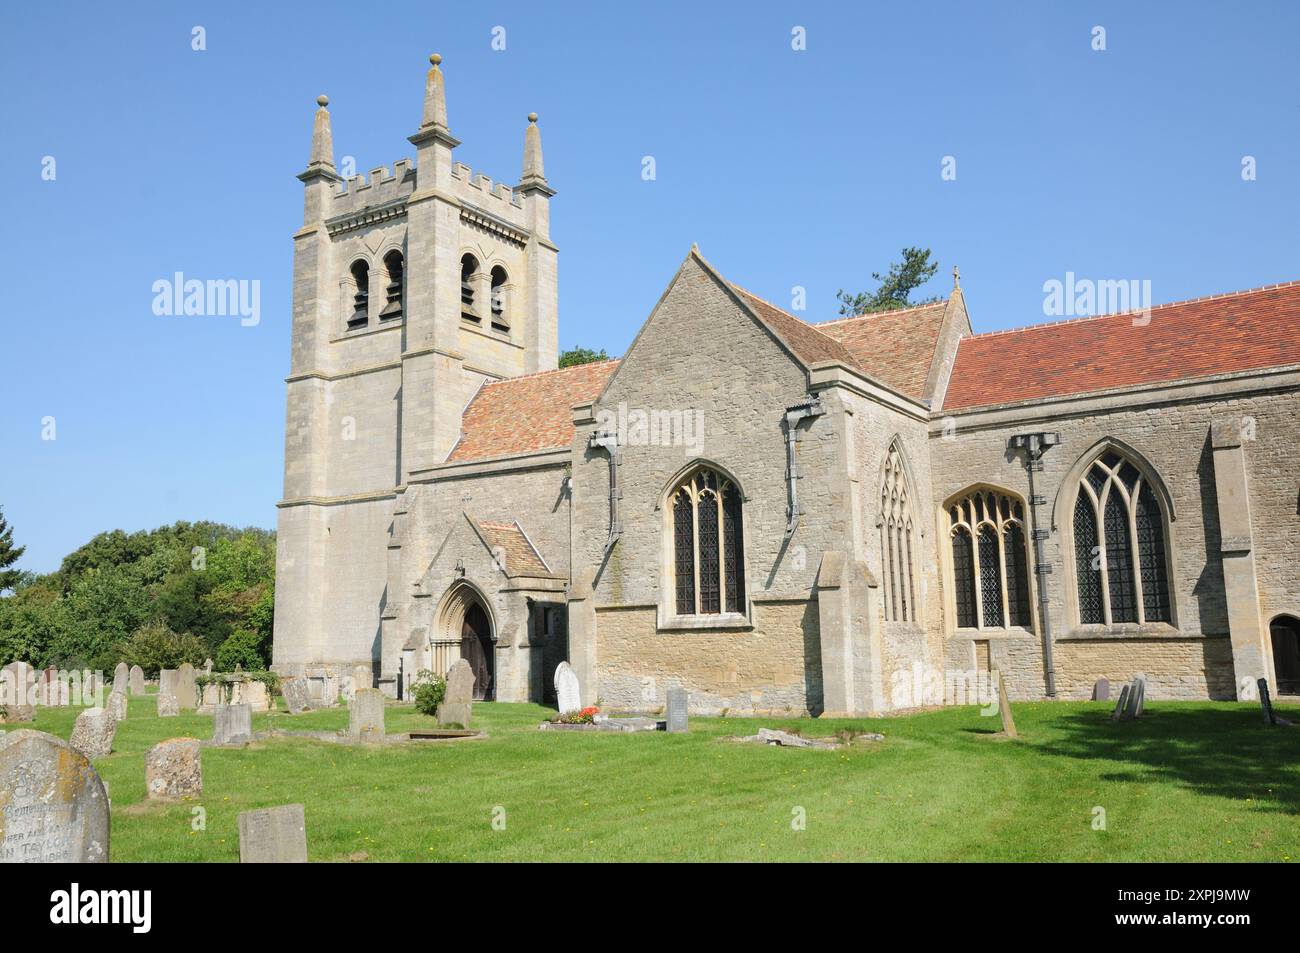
(1284, 641)
(1114, 515)
(898, 525)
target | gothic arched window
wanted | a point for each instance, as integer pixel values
(896, 540)
(708, 545)
(468, 269)
(500, 321)
(990, 562)
(361, 298)
(1119, 546)
(393, 291)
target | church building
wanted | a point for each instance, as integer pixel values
(851, 516)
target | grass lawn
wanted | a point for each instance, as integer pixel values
(1189, 781)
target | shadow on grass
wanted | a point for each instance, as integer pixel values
(1223, 751)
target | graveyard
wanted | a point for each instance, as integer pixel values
(1185, 781)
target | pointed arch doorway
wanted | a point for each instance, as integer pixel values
(465, 627)
(1285, 634)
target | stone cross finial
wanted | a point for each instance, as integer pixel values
(435, 96)
(956, 278)
(322, 138)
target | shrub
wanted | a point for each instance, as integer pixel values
(428, 690)
(584, 716)
(153, 646)
(240, 649)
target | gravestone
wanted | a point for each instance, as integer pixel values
(121, 677)
(55, 691)
(457, 705)
(366, 715)
(1265, 702)
(1136, 699)
(232, 725)
(167, 706)
(294, 691)
(362, 677)
(93, 732)
(186, 688)
(167, 681)
(273, 835)
(173, 769)
(678, 700)
(1121, 704)
(567, 691)
(1101, 690)
(137, 680)
(1004, 709)
(117, 705)
(17, 683)
(207, 666)
(55, 808)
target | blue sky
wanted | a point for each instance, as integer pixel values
(789, 168)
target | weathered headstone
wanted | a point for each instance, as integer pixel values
(121, 677)
(678, 702)
(232, 725)
(167, 706)
(17, 695)
(93, 732)
(1004, 709)
(1136, 699)
(53, 806)
(273, 835)
(294, 691)
(1101, 690)
(362, 677)
(1265, 702)
(207, 666)
(366, 715)
(168, 680)
(54, 691)
(173, 769)
(186, 688)
(457, 705)
(567, 691)
(137, 680)
(117, 705)
(1122, 704)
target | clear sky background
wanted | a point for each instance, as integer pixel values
(788, 168)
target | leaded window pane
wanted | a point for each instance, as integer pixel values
(990, 577)
(908, 582)
(1151, 557)
(1096, 479)
(684, 551)
(1089, 576)
(963, 570)
(710, 597)
(1119, 561)
(734, 548)
(1017, 575)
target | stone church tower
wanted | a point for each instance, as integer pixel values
(412, 288)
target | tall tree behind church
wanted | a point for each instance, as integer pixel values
(896, 287)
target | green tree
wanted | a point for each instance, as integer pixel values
(581, 355)
(240, 649)
(896, 287)
(153, 646)
(9, 554)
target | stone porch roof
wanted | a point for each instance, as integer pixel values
(519, 555)
(1220, 334)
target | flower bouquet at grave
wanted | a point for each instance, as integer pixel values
(584, 716)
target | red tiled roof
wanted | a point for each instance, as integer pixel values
(518, 556)
(521, 414)
(807, 342)
(895, 347)
(1241, 331)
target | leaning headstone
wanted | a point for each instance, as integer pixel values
(54, 806)
(366, 715)
(16, 693)
(295, 695)
(186, 687)
(173, 769)
(1265, 702)
(137, 680)
(567, 692)
(232, 725)
(93, 732)
(121, 677)
(167, 706)
(457, 705)
(273, 835)
(678, 699)
(1136, 699)
(117, 705)
(1122, 704)
(1101, 690)
(1004, 709)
